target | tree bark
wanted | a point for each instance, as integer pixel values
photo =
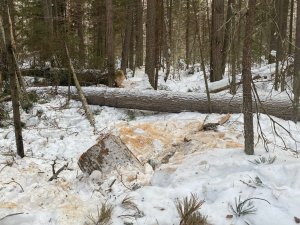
(296, 85)
(247, 79)
(79, 21)
(127, 38)
(2, 54)
(12, 68)
(217, 35)
(110, 43)
(202, 62)
(132, 45)
(85, 106)
(234, 52)
(280, 46)
(11, 40)
(227, 34)
(151, 42)
(187, 34)
(274, 30)
(139, 34)
(291, 27)
(168, 38)
(165, 101)
(85, 76)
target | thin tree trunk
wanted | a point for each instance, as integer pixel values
(274, 30)
(110, 43)
(291, 27)
(85, 105)
(198, 29)
(158, 38)
(132, 44)
(234, 57)
(296, 85)
(127, 38)
(227, 33)
(139, 34)
(151, 42)
(11, 66)
(247, 78)
(99, 36)
(239, 36)
(169, 45)
(13, 47)
(1, 83)
(217, 33)
(16, 112)
(2, 53)
(79, 20)
(281, 40)
(187, 34)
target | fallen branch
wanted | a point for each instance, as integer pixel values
(15, 183)
(55, 175)
(249, 185)
(217, 90)
(13, 214)
(59, 76)
(83, 100)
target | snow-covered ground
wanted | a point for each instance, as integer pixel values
(209, 164)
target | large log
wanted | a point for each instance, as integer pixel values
(110, 152)
(165, 101)
(59, 76)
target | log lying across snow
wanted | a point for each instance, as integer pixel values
(165, 101)
(85, 76)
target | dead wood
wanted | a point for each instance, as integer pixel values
(55, 174)
(106, 155)
(165, 101)
(85, 105)
(59, 76)
(217, 90)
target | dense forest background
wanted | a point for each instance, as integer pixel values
(173, 33)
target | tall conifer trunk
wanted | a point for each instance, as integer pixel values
(247, 79)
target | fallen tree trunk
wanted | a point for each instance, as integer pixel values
(227, 86)
(164, 101)
(59, 76)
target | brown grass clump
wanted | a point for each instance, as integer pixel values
(188, 211)
(103, 216)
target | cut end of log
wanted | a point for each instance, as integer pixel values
(110, 152)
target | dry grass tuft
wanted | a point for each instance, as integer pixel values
(188, 211)
(103, 217)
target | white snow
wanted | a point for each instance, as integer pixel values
(211, 165)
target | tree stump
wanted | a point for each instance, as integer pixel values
(108, 154)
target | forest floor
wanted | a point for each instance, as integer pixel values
(208, 164)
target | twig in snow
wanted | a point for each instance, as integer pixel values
(15, 183)
(3, 168)
(13, 214)
(112, 183)
(110, 186)
(122, 181)
(249, 185)
(55, 175)
(53, 166)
